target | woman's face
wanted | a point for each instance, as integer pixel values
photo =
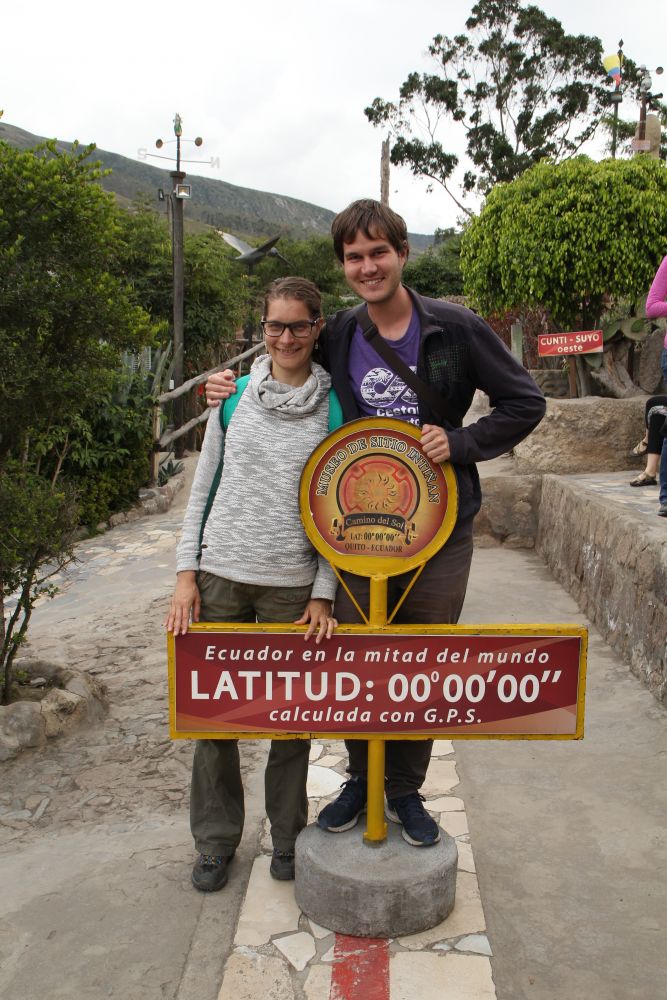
(290, 353)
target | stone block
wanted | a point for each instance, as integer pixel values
(383, 890)
(249, 975)
(441, 977)
(593, 434)
(60, 710)
(509, 511)
(21, 725)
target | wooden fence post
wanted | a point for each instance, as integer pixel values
(516, 340)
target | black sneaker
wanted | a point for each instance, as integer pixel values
(663, 510)
(419, 829)
(210, 872)
(345, 811)
(282, 865)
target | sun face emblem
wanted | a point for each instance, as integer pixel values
(376, 491)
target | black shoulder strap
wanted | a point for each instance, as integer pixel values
(425, 392)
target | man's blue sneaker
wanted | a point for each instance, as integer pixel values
(419, 829)
(345, 811)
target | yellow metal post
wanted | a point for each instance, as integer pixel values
(376, 828)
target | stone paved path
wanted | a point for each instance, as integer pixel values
(95, 850)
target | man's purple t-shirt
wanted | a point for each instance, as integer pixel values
(379, 392)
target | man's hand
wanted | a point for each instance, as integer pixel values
(185, 600)
(435, 443)
(219, 387)
(318, 618)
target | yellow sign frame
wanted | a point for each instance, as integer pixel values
(364, 565)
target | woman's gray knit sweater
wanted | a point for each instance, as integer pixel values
(254, 533)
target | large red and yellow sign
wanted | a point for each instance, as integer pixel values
(372, 502)
(518, 681)
(374, 505)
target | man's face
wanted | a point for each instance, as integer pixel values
(373, 268)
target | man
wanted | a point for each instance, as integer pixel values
(454, 352)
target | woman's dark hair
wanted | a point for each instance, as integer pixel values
(295, 288)
(375, 220)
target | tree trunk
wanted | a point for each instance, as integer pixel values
(612, 377)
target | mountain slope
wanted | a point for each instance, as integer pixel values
(214, 203)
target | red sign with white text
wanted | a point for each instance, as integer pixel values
(519, 681)
(584, 342)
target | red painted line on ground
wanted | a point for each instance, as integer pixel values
(360, 969)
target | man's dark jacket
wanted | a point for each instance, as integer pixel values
(458, 353)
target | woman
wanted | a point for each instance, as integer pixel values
(655, 417)
(656, 306)
(251, 561)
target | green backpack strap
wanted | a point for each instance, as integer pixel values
(230, 404)
(335, 411)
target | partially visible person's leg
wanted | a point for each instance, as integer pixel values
(286, 774)
(436, 598)
(217, 810)
(656, 410)
(662, 510)
(285, 791)
(216, 797)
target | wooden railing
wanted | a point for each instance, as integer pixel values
(162, 442)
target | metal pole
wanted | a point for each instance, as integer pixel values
(614, 130)
(376, 828)
(572, 376)
(617, 97)
(177, 259)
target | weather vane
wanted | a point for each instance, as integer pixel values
(214, 161)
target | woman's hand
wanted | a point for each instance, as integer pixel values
(185, 600)
(318, 618)
(220, 386)
(435, 443)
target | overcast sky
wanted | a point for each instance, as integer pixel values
(277, 90)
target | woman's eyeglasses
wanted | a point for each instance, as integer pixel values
(301, 328)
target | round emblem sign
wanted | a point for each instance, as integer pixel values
(372, 503)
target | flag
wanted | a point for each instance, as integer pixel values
(613, 66)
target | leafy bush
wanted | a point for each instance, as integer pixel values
(109, 458)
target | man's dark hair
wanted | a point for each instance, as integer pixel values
(374, 220)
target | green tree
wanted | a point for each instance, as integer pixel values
(217, 296)
(437, 271)
(516, 86)
(65, 317)
(575, 238)
(144, 260)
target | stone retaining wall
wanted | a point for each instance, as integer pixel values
(610, 561)
(615, 567)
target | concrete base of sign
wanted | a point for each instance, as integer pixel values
(388, 890)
